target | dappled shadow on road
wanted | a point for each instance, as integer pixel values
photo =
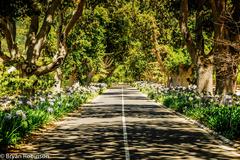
(153, 133)
(153, 140)
(85, 141)
(143, 111)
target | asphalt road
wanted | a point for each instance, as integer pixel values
(123, 124)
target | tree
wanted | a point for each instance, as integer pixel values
(226, 43)
(202, 61)
(87, 46)
(39, 30)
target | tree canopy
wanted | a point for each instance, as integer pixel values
(177, 42)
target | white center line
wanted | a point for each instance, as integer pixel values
(125, 136)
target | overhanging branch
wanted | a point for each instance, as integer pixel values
(48, 19)
(34, 50)
(50, 67)
(7, 33)
(185, 30)
(32, 30)
(75, 17)
(4, 57)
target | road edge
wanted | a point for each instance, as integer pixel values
(215, 134)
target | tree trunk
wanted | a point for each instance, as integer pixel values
(73, 77)
(36, 38)
(226, 55)
(90, 76)
(226, 75)
(183, 77)
(195, 47)
(205, 77)
(58, 81)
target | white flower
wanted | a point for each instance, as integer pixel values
(190, 98)
(20, 102)
(194, 87)
(21, 114)
(196, 105)
(41, 99)
(228, 97)
(179, 87)
(50, 110)
(50, 96)
(198, 98)
(51, 103)
(29, 103)
(76, 86)
(238, 93)
(11, 69)
(8, 116)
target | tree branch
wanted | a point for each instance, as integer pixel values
(48, 19)
(32, 30)
(236, 20)
(6, 32)
(185, 30)
(75, 17)
(214, 9)
(60, 28)
(2, 55)
(50, 67)
(35, 49)
(9, 31)
(199, 39)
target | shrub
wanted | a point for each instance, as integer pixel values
(221, 117)
(29, 115)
